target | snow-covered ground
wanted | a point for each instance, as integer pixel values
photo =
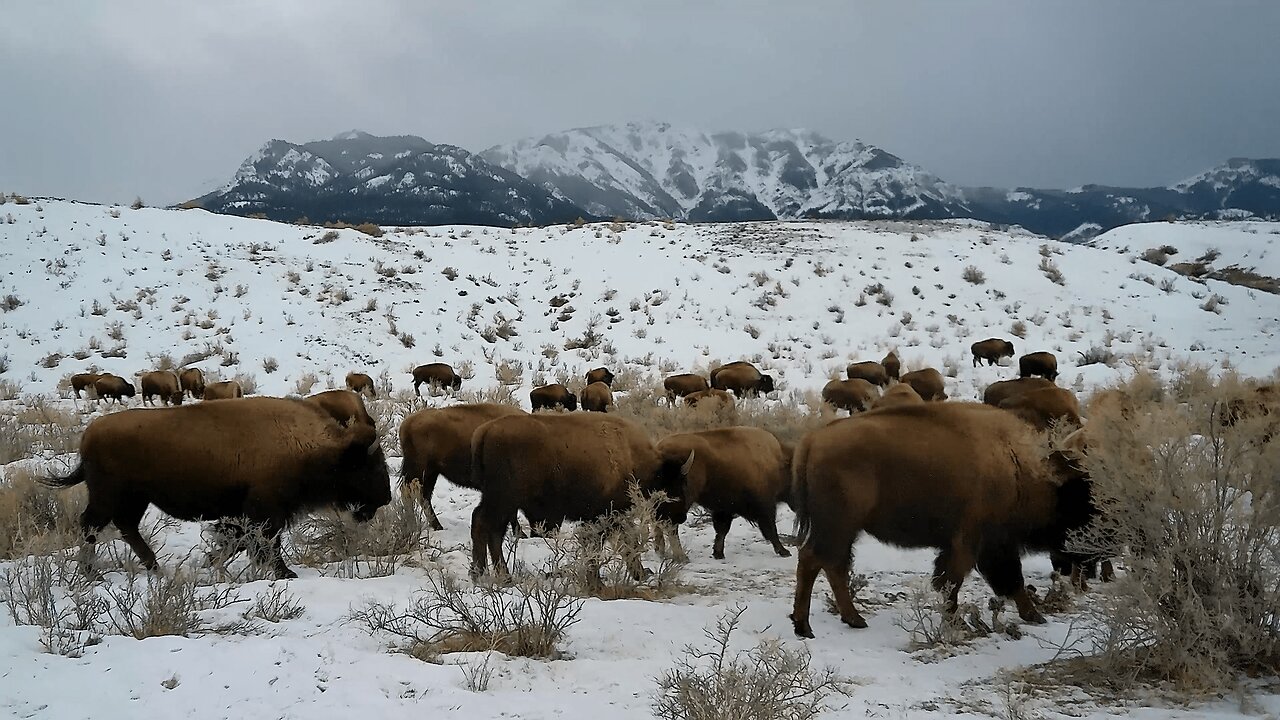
(795, 297)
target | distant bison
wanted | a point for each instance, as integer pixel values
(225, 390)
(600, 374)
(741, 378)
(1045, 407)
(892, 365)
(968, 479)
(192, 380)
(437, 441)
(263, 459)
(597, 397)
(361, 383)
(549, 397)
(162, 383)
(710, 398)
(114, 387)
(869, 370)
(736, 471)
(345, 406)
(436, 375)
(999, 391)
(854, 395)
(991, 350)
(1044, 364)
(900, 394)
(928, 384)
(683, 384)
(82, 381)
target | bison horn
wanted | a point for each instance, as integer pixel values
(688, 464)
(373, 446)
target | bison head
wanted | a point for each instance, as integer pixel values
(673, 476)
(129, 390)
(570, 401)
(1008, 349)
(176, 398)
(365, 483)
(766, 383)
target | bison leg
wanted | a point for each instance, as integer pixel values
(1001, 564)
(838, 578)
(807, 569)
(426, 488)
(126, 519)
(768, 523)
(950, 568)
(665, 532)
(1108, 571)
(721, 521)
(92, 522)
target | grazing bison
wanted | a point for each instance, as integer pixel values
(114, 387)
(991, 350)
(1044, 364)
(968, 479)
(192, 381)
(225, 390)
(561, 466)
(437, 441)
(1001, 390)
(344, 405)
(712, 398)
(81, 381)
(854, 395)
(741, 378)
(869, 370)
(163, 383)
(361, 383)
(549, 397)
(597, 397)
(263, 459)
(436, 375)
(1045, 407)
(892, 365)
(927, 383)
(900, 394)
(600, 374)
(736, 472)
(682, 385)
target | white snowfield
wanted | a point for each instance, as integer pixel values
(797, 298)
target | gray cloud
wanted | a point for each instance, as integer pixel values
(105, 101)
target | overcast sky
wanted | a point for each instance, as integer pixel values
(105, 101)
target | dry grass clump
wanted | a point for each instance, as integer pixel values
(373, 549)
(36, 427)
(34, 518)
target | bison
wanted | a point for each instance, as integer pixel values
(597, 397)
(600, 374)
(992, 350)
(736, 472)
(192, 381)
(892, 365)
(712, 397)
(854, 395)
(562, 466)
(361, 383)
(437, 441)
(900, 394)
(741, 378)
(225, 390)
(344, 405)
(81, 381)
(1044, 364)
(114, 387)
(999, 391)
(682, 385)
(436, 375)
(548, 397)
(965, 478)
(265, 460)
(1045, 407)
(164, 383)
(927, 383)
(869, 370)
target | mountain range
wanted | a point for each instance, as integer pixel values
(641, 171)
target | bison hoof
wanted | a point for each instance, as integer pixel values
(802, 628)
(435, 525)
(1032, 616)
(856, 621)
(782, 552)
(286, 574)
(719, 555)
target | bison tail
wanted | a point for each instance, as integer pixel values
(798, 497)
(76, 477)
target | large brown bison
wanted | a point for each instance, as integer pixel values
(81, 381)
(262, 459)
(437, 441)
(162, 383)
(344, 405)
(711, 397)
(900, 394)
(361, 383)
(192, 380)
(682, 385)
(600, 374)
(225, 390)
(736, 472)
(1001, 390)
(992, 350)
(1045, 407)
(892, 365)
(114, 387)
(1044, 364)
(741, 378)
(561, 466)
(436, 375)
(869, 370)
(597, 397)
(854, 395)
(549, 397)
(966, 478)
(928, 384)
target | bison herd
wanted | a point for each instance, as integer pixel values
(972, 480)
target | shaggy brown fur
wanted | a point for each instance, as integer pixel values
(991, 350)
(225, 390)
(869, 370)
(968, 479)
(1044, 364)
(344, 405)
(557, 467)
(741, 378)
(597, 397)
(600, 374)
(262, 459)
(114, 387)
(163, 383)
(361, 383)
(437, 441)
(928, 384)
(710, 397)
(736, 472)
(192, 380)
(899, 394)
(892, 365)
(1001, 390)
(682, 385)
(854, 395)
(1045, 407)
(80, 381)
(436, 375)
(549, 397)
